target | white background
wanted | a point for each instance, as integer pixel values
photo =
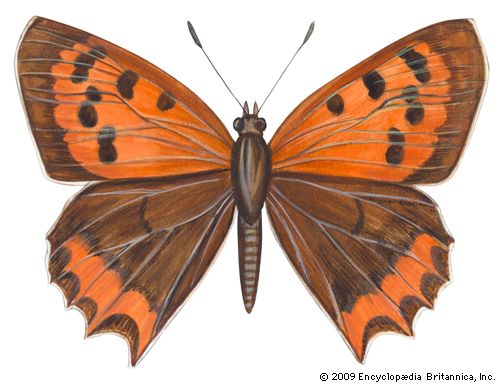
(287, 339)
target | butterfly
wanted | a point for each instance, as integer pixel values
(165, 177)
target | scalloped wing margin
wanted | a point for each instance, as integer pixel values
(370, 253)
(128, 254)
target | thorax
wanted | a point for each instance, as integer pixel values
(251, 166)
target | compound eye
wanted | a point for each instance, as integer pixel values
(261, 124)
(238, 124)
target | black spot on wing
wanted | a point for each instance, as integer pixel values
(396, 136)
(165, 101)
(87, 114)
(335, 104)
(410, 93)
(415, 113)
(126, 83)
(394, 154)
(413, 59)
(418, 63)
(423, 76)
(79, 75)
(107, 154)
(93, 94)
(375, 84)
(83, 63)
(105, 139)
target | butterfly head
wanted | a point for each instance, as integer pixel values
(250, 122)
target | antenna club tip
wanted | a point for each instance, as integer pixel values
(193, 34)
(309, 33)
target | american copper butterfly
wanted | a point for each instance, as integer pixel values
(337, 179)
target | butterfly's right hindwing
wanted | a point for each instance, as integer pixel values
(370, 253)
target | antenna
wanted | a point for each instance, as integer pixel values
(308, 35)
(198, 43)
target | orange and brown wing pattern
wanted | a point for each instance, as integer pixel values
(98, 111)
(371, 253)
(402, 115)
(128, 253)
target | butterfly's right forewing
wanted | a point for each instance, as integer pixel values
(402, 115)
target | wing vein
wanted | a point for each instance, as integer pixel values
(339, 192)
(128, 203)
(367, 242)
(217, 216)
(339, 318)
(68, 48)
(51, 33)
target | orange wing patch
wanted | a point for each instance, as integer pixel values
(402, 115)
(414, 284)
(100, 112)
(90, 285)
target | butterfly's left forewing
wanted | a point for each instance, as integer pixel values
(98, 111)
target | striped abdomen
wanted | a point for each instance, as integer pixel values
(251, 167)
(249, 247)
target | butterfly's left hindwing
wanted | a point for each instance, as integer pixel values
(370, 253)
(129, 253)
(98, 111)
